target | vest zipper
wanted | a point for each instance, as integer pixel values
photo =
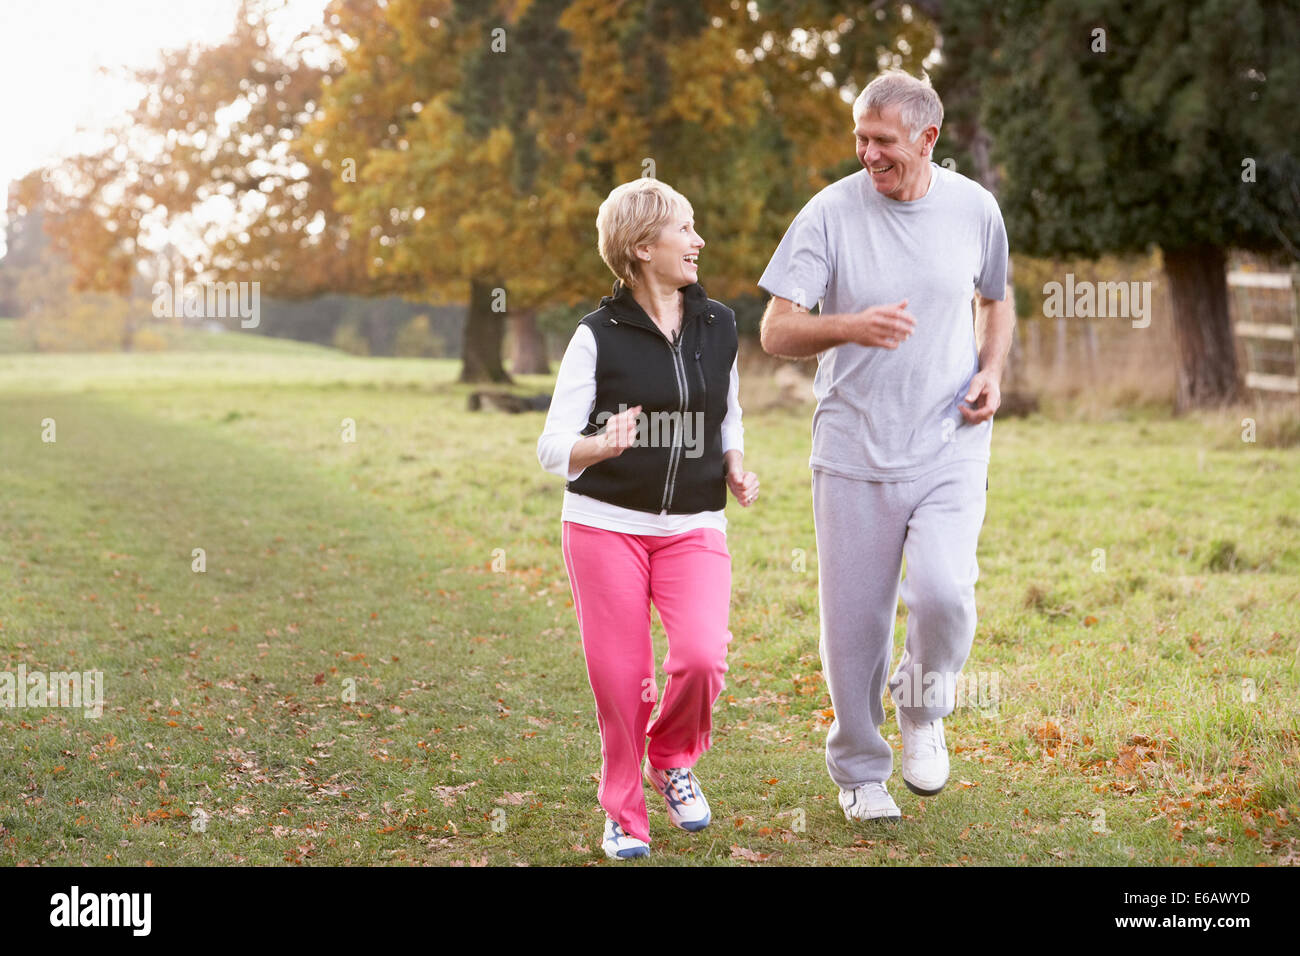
(674, 453)
(704, 380)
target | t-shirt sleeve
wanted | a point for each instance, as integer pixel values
(800, 267)
(992, 280)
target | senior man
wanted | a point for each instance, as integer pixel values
(907, 385)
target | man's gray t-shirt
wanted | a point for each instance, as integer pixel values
(882, 414)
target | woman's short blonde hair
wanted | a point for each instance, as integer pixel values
(632, 215)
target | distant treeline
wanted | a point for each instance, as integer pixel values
(387, 326)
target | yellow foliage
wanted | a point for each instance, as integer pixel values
(660, 90)
(348, 338)
(147, 340)
(712, 87)
(81, 323)
(416, 340)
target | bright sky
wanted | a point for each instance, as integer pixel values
(53, 52)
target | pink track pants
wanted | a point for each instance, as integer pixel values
(615, 577)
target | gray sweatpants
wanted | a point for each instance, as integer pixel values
(864, 530)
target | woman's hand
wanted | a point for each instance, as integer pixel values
(617, 437)
(743, 484)
(620, 432)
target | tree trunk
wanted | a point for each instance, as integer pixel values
(484, 331)
(379, 333)
(528, 356)
(986, 172)
(1207, 356)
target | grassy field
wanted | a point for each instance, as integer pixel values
(379, 662)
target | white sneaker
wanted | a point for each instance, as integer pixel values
(687, 808)
(925, 755)
(618, 845)
(870, 801)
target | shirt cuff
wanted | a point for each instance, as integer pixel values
(555, 452)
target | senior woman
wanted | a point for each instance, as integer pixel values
(645, 425)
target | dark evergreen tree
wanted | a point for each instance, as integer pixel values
(1125, 124)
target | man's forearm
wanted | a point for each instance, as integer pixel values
(995, 323)
(789, 334)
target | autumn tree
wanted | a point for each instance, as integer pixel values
(224, 123)
(450, 150)
(480, 138)
(217, 127)
(444, 130)
(67, 270)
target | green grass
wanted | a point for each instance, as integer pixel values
(187, 340)
(351, 681)
(223, 361)
(198, 340)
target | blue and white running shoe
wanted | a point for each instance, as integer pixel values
(687, 808)
(618, 845)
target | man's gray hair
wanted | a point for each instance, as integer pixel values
(918, 103)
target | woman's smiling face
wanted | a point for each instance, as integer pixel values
(673, 257)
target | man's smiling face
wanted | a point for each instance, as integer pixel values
(899, 167)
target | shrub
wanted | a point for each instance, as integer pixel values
(416, 340)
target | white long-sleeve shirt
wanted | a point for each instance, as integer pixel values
(571, 407)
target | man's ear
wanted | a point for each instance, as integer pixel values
(931, 138)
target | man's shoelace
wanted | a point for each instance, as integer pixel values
(930, 738)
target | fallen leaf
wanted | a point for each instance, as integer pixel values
(448, 795)
(509, 799)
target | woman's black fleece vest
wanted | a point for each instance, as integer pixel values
(676, 464)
